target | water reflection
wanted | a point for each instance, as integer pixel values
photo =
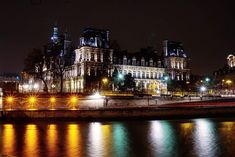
(31, 141)
(162, 138)
(8, 138)
(100, 141)
(120, 140)
(227, 132)
(205, 138)
(52, 140)
(73, 141)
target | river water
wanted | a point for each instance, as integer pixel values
(161, 138)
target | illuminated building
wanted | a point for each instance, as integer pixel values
(94, 60)
(231, 60)
(175, 61)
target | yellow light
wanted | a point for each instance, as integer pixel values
(32, 99)
(105, 80)
(10, 99)
(73, 99)
(52, 99)
(228, 81)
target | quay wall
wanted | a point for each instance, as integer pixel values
(127, 113)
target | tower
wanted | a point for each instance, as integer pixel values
(175, 60)
(55, 35)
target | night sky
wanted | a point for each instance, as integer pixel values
(206, 28)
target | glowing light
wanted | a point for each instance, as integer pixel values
(120, 76)
(166, 78)
(96, 96)
(25, 86)
(203, 89)
(105, 80)
(35, 86)
(10, 99)
(207, 79)
(73, 99)
(32, 99)
(228, 81)
(52, 99)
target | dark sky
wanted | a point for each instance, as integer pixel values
(206, 27)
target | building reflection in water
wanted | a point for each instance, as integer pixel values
(73, 141)
(8, 139)
(162, 139)
(205, 141)
(120, 140)
(31, 145)
(52, 140)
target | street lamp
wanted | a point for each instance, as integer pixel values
(207, 79)
(166, 78)
(105, 80)
(203, 88)
(120, 76)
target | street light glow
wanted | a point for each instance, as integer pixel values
(207, 79)
(52, 99)
(32, 99)
(203, 89)
(120, 76)
(105, 80)
(228, 81)
(166, 78)
(10, 99)
(73, 99)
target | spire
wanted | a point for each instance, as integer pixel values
(55, 35)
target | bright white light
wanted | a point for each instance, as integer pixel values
(25, 86)
(166, 78)
(35, 86)
(96, 96)
(203, 89)
(207, 79)
(53, 86)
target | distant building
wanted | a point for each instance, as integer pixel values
(231, 60)
(9, 82)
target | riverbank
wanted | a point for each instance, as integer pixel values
(122, 113)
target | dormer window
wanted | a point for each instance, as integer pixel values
(124, 60)
(133, 61)
(142, 61)
(151, 62)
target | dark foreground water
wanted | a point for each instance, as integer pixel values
(163, 138)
